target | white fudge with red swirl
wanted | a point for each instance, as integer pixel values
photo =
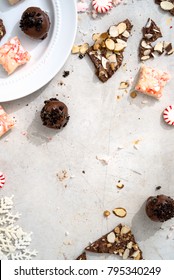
(13, 55)
(152, 81)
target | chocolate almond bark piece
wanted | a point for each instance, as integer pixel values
(151, 32)
(82, 257)
(107, 50)
(168, 6)
(120, 241)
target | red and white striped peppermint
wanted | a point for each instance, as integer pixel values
(2, 180)
(168, 115)
(102, 6)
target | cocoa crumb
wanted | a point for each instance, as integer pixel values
(66, 74)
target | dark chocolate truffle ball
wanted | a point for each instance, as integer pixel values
(54, 114)
(160, 208)
(35, 23)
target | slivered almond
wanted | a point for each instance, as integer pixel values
(125, 230)
(138, 257)
(126, 34)
(148, 36)
(112, 58)
(129, 245)
(111, 237)
(145, 45)
(122, 42)
(75, 49)
(110, 44)
(135, 254)
(156, 30)
(147, 52)
(153, 55)
(104, 62)
(103, 36)
(121, 251)
(84, 48)
(135, 246)
(119, 47)
(113, 31)
(126, 254)
(123, 85)
(103, 45)
(96, 46)
(113, 65)
(108, 54)
(145, 57)
(121, 27)
(166, 5)
(120, 185)
(120, 212)
(117, 230)
(159, 47)
(95, 36)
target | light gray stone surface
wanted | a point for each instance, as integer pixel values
(65, 216)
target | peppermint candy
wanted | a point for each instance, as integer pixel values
(168, 115)
(102, 6)
(2, 180)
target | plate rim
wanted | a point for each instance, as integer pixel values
(31, 88)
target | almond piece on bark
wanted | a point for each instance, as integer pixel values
(113, 31)
(121, 27)
(166, 5)
(110, 44)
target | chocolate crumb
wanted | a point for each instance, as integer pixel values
(81, 56)
(158, 188)
(66, 74)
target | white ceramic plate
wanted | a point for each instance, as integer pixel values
(47, 56)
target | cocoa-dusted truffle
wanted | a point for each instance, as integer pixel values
(160, 208)
(35, 23)
(54, 114)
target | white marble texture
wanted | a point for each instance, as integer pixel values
(65, 216)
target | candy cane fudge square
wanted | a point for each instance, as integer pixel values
(6, 121)
(12, 55)
(152, 81)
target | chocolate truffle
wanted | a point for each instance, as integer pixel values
(160, 208)
(54, 114)
(35, 23)
(2, 29)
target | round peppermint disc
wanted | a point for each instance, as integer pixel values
(102, 6)
(168, 115)
(2, 179)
